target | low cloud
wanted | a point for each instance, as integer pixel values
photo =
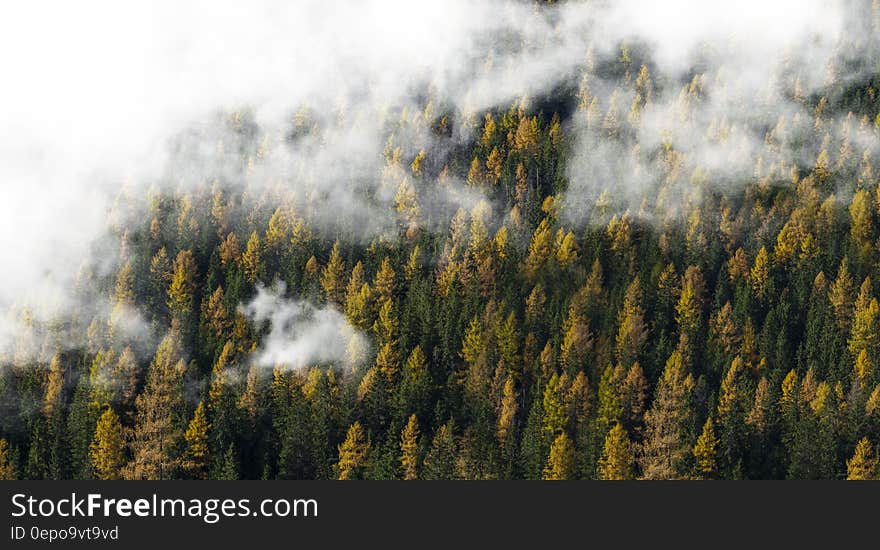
(98, 93)
(300, 334)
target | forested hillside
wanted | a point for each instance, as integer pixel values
(624, 276)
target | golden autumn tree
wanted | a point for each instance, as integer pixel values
(617, 461)
(252, 258)
(409, 449)
(107, 450)
(181, 293)
(561, 462)
(353, 453)
(333, 276)
(706, 451)
(197, 452)
(864, 464)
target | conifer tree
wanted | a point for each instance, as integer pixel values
(561, 462)
(158, 430)
(252, 258)
(332, 277)
(576, 342)
(690, 303)
(384, 282)
(555, 414)
(353, 453)
(197, 452)
(415, 385)
(733, 407)
(54, 387)
(633, 332)
(108, 447)
(358, 296)
(507, 414)
(230, 468)
(505, 431)
(760, 273)
(181, 293)
(841, 295)
(540, 249)
(409, 449)
(864, 464)
(666, 445)
(706, 451)
(440, 460)
(617, 461)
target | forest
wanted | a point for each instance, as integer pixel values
(626, 275)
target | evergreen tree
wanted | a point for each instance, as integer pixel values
(353, 453)
(181, 293)
(197, 453)
(409, 449)
(864, 464)
(617, 461)
(706, 451)
(667, 423)
(440, 460)
(158, 430)
(332, 277)
(561, 462)
(108, 447)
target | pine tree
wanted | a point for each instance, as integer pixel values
(633, 331)
(617, 461)
(555, 414)
(863, 465)
(634, 398)
(706, 451)
(760, 273)
(508, 410)
(229, 250)
(409, 449)
(387, 325)
(333, 276)
(353, 453)
(505, 431)
(414, 392)
(197, 452)
(38, 458)
(865, 333)
(566, 248)
(158, 431)
(689, 308)
(610, 409)
(181, 293)
(733, 408)
(252, 259)
(357, 298)
(841, 295)
(440, 460)
(384, 282)
(108, 447)
(666, 445)
(278, 232)
(53, 398)
(576, 341)
(229, 471)
(561, 462)
(540, 249)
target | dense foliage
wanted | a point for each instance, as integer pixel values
(709, 331)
